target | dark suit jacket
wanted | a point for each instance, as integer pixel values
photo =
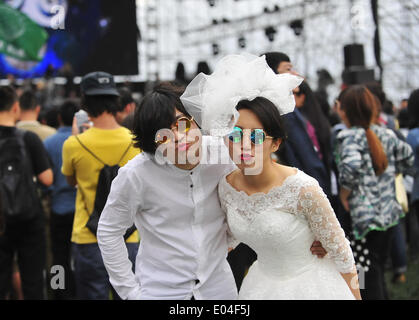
(298, 151)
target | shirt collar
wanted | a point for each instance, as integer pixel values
(171, 168)
(30, 122)
(64, 129)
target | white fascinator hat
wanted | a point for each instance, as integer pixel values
(212, 99)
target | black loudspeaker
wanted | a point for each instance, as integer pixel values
(355, 75)
(354, 55)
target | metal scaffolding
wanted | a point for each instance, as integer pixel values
(152, 39)
(191, 28)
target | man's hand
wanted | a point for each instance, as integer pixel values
(318, 250)
(75, 129)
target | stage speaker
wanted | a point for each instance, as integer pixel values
(354, 75)
(354, 55)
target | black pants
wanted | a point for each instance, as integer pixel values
(378, 245)
(412, 229)
(61, 226)
(27, 240)
(240, 260)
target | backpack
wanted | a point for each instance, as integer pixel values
(106, 176)
(19, 199)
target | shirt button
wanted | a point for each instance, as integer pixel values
(191, 185)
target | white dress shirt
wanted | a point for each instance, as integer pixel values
(183, 231)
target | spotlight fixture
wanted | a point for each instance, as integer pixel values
(211, 3)
(242, 42)
(215, 49)
(297, 26)
(275, 8)
(270, 32)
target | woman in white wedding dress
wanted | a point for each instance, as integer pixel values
(276, 210)
(279, 213)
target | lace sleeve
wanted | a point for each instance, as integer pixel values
(316, 208)
(223, 195)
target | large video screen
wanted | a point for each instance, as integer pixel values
(62, 37)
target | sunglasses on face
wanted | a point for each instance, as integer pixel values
(257, 136)
(182, 125)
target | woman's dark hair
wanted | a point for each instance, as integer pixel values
(313, 113)
(267, 114)
(359, 105)
(96, 105)
(321, 98)
(157, 111)
(413, 109)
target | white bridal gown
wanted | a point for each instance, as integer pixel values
(280, 227)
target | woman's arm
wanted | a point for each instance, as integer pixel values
(344, 195)
(316, 208)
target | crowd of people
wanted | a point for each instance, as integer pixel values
(361, 153)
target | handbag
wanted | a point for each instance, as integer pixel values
(401, 194)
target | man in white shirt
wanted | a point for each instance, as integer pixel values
(183, 229)
(184, 234)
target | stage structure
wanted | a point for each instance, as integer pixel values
(312, 33)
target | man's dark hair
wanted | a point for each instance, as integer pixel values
(7, 98)
(274, 59)
(125, 97)
(67, 111)
(95, 105)
(49, 117)
(157, 111)
(28, 100)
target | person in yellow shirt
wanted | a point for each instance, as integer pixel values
(84, 156)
